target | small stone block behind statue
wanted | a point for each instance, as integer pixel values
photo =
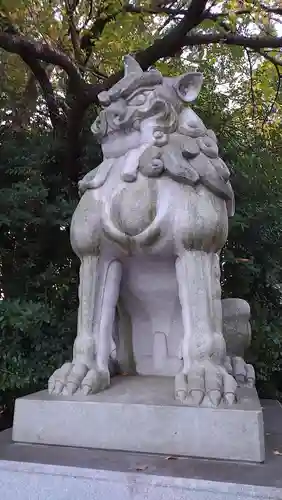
(148, 230)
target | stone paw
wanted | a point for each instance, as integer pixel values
(74, 377)
(205, 383)
(241, 371)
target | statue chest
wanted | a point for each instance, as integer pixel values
(150, 215)
(162, 212)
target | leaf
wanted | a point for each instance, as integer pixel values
(142, 468)
(237, 51)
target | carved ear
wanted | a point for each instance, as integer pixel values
(188, 86)
(131, 66)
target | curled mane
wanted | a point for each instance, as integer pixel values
(181, 147)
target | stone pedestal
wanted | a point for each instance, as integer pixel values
(139, 414)
(44, 472)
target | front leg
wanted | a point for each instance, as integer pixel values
(68, 378)
(203, 349)
(98, 293)
(98, 378)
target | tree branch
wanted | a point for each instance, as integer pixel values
(155, 10)
(271, 10)
(174, 40)
(87, 42)
(169, 17)
(47, 90)
(24, 47)
(271, 108)
(251, 83)
(172, 11)
(218, 15)
(269, 58)
(90, 13)
(241, 12)
(70, 8)
(40, 75)
(183, 12)
(258, 42)
(26, 106)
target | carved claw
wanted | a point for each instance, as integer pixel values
(239, 369)
(51, 385)
(86, 390)
(243, 372)
(228, 365)
(56, 381)
(206, 379)
(196, 385)
(180, 384)
(91, 382)
(230, 398)
(197, 396)
(58, 388)
(250, 376)
(72, 377)
(71, 388)
(229, 384)
(215, 397)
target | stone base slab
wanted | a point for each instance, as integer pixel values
(26, 481)
(139, 414)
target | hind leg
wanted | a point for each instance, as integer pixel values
(98, 378)
(204, 376)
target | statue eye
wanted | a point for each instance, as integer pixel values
(137, 100)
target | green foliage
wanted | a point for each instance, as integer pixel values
(252, 268)
(38, 310)
(252, 258)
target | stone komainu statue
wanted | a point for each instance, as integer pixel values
(148, 230)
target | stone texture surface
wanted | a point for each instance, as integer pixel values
(38, 472)
(148, 230)
(140, 414)
(29, 482)
(236, 316)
